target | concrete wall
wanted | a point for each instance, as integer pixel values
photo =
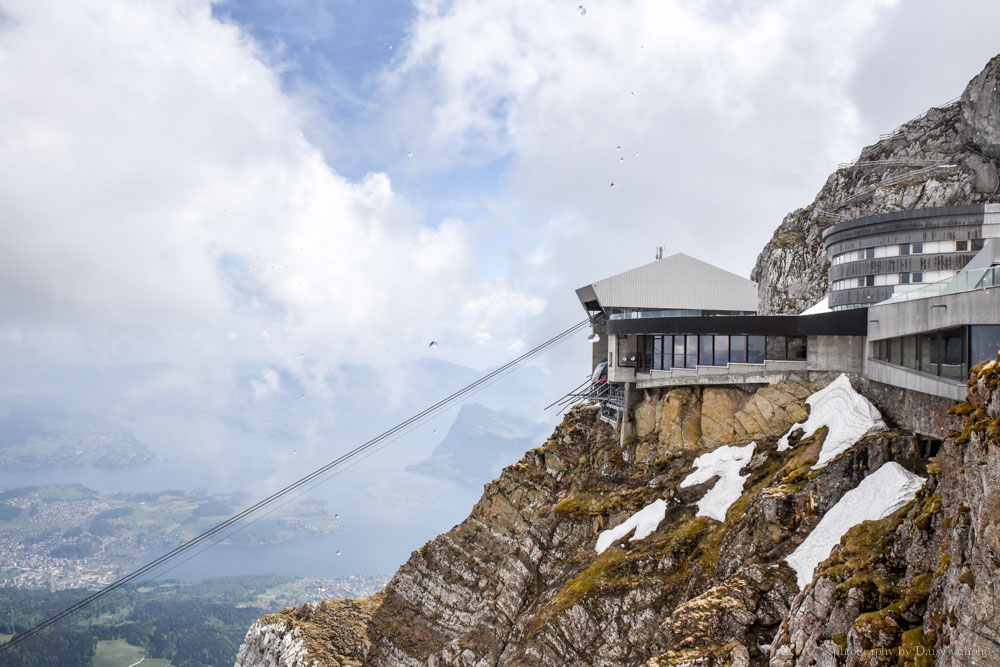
(910, 409)
(618, 373)
(914, 381)
(836, 353)
(938, 312)
(769, 372)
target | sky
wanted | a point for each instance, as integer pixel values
(309, 184)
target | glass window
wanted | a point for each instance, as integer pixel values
(977, 244)
(775, 348)
(797, 348)
(861, 254)
(904, 248)
(705, 350)
(738, 349)
(961, 246)
(928, 362)
(984, 343)
(895, 351)
(691, 356)
(657, 353)
(668, 342)
(904, 278)
(679, 352)
(916, 248)
(869, 281)
(722, 350)
(869, 253)
(755, 349)
(951, 362)
(917, 277)
(910, 352)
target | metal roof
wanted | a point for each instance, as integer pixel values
(677, 281)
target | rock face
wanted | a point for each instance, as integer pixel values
(519, 581)
(791, 271)
(921, 586)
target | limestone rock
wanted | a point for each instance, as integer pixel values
(981, 110)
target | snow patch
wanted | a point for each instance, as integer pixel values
(644, 522)
(848, 416)
(876, 497)
(821, 306)
(726, 462)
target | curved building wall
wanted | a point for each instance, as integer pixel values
(874, 257)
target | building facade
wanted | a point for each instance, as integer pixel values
(679, 321)
(876, 257)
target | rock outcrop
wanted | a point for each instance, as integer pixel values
(921, 586)
(520, 582)
(946, 157)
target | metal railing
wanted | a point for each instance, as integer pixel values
(901, 178)
(966, 281)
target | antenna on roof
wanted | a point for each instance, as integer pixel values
(659, 252)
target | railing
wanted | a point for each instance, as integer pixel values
(902, 178)
(966, 281)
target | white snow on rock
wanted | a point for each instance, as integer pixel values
(876, 497)
(644, 521)
(821, 306)
(726, 462)
(848, 416)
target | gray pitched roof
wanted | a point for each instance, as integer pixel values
(677, 281)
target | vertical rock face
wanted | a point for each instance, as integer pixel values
(520, 581)
(791, 271)
(981, 110)
(921, 586)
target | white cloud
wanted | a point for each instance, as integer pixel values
(266, 384)
(154, 178)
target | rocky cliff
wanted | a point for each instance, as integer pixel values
(946, 157)
(520, 580)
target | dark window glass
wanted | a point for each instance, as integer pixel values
(870, 253)
(657, 353)
(691, 357)
(917, 248)
(775, 348)
(904, 248)
(721, 350)
(984, 343)
(705, 351)
(797, 348)
(961, 246)
(869, 281)
(977, 244)
(755, 349)
(910, 352)
(904, 278)
(928, 353)
(951, 362)
(918, 277)
(895, 351)
(678, 351)
(738, 349)
(668, 342)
